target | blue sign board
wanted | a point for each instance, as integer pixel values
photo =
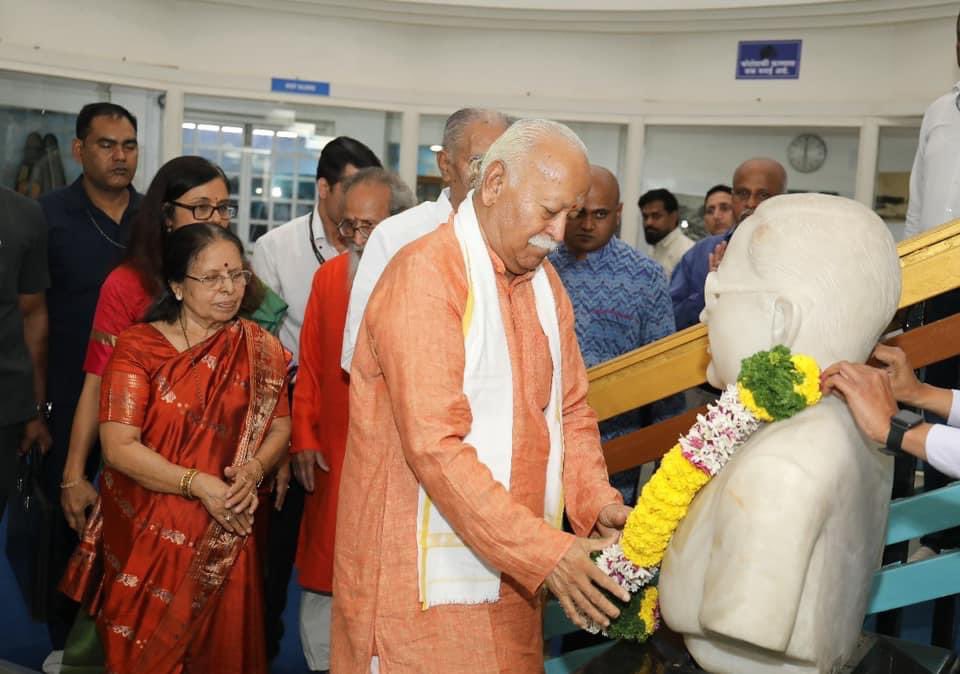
(770, 60)
(306, 87)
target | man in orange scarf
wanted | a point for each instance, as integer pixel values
(320, 400)
(395, 608)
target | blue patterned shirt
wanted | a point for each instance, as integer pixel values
(621, 301)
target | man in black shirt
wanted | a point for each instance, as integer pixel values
(89, 224)
(23, 333)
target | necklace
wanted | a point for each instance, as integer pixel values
(103, 233)
(193, 366)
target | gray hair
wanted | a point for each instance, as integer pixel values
(401, 197)
(458, 122)
(522, 136)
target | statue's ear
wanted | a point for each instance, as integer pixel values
(787, 318)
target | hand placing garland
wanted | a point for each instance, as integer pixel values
(772, 386)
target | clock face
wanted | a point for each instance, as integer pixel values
(807, 152)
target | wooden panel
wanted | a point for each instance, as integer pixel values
(923, 346)
(930, 263)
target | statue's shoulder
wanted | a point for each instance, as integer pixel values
(823, 437)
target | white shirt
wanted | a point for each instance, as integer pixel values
(284, 259)
(943, 442)
(935, 179)
(385, 241)
(668, 250)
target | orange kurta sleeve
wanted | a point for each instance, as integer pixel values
(419, 347)
(586, 485)
(307, 391)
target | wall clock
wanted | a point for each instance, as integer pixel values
(807, 152)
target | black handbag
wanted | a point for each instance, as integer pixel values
(29, 533)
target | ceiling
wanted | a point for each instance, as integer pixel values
(619, 16)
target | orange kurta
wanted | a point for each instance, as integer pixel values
(320, 407)
(408, 420)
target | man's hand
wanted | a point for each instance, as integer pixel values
(576, 582)
(903, 380)
(304, 464)
(716, 256)
(868, 394)
(35, 432)
(281, 483)
(611, 520)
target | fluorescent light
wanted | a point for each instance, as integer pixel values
(436, 148)
(262, 132)
(258, 190)
(276, 192)
(286, 134)
(231, 129)
(208, 127)
(189, 125)
(684, 224)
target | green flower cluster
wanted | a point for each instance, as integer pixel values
(771, 376)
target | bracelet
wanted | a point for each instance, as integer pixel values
(72, 483)
(185, 481)
(190, 484)
(262, 471)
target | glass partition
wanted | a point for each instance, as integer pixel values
(897, 147)
(269, 151)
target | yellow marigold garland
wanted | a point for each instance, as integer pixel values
(787, 384)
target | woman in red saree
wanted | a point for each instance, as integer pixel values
(193, 413)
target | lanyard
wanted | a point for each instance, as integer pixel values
(313, 241)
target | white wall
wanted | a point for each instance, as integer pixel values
(691, 160)
(866, 70)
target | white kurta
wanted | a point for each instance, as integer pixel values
(935, 179)
(385, 241)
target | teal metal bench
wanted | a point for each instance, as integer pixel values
(894, 586)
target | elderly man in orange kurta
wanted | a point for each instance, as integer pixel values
(321, 397)
(469, 432)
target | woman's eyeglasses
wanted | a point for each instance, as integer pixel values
(205, 211)
(211, 281)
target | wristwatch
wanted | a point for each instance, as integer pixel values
(44, 410)
(900, 423)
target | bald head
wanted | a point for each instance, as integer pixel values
(467, 136)
(533, 179)
(595, 225)
(755, 181)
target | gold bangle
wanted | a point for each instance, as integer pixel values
(193, 474)
(72, 483)
(185, 480)
(262, 471)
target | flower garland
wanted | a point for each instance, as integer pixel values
(772, 385)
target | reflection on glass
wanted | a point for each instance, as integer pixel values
(281, 212)
(284, 163)
(256, 231)
(256, 187)
(231, 161)
(307, 190)
(233, 182)
(303, 209)
(263, 139)
(281, 187)
(259, 210)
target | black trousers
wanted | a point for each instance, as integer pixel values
(10, 437)
(282, 534)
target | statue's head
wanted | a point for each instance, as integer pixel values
(817, 273)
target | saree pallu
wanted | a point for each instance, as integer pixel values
(171, 590)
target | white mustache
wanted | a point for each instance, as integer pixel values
(543, 241)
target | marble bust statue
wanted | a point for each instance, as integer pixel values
(771, 569)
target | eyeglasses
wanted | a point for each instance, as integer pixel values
(348, 228)
(238, 277)
(205, 211)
